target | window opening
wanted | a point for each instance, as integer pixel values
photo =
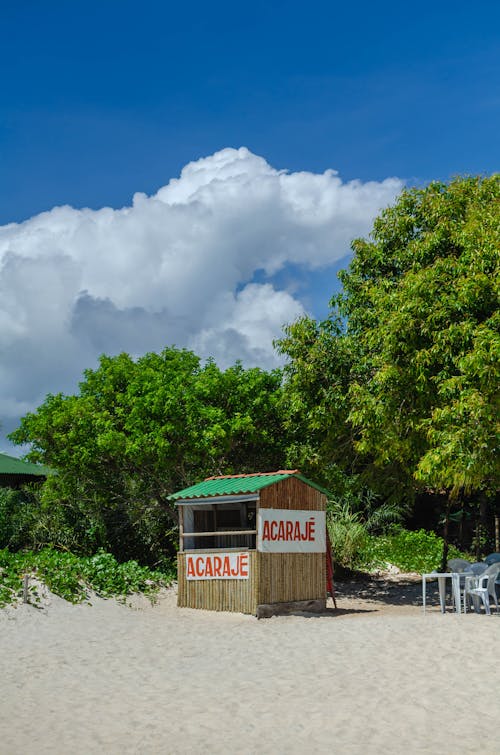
(212, 526)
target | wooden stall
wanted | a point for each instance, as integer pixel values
(253, 543)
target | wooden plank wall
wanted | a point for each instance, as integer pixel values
(292, 494)
(218, 594)
(285, 577)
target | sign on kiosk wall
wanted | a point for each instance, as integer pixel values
(287, 531)
(217, 565)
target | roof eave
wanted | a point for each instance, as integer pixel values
(236, 498)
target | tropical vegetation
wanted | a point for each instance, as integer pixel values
(391, 402)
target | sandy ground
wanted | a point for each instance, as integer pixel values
(375, 676)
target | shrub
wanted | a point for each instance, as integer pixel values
(418, 551)
(71, 577)
(348, 535)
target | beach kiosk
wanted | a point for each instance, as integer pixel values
(253, 543)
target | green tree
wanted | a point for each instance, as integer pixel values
(136, 432)
(422, 299)
(419, 347)
(321, 362)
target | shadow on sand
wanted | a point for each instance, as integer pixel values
(364, 595)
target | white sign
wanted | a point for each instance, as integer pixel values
(217, 565)
(287, 531)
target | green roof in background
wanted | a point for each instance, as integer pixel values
(239, 484)
(13, 467)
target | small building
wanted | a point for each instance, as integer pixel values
(253, 543)
(15, 473)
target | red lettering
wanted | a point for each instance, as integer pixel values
(289, 530)
(244, 565)
(209, 572)
(296, 534)
(307, 531)
(312, 529)
(281, 531)
(198, 568)
(274, 534)
(217, 566)
(213, 566)
(266, 534)
(235, 572)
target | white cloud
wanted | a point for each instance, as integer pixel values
(175, 267)
(243, 326)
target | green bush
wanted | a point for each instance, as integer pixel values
(19, 516)
(418, 551)
(348, 535)
(34, 517)
(71, 577)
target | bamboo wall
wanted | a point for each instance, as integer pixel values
(292, 493)
(286, 577)
(239, 595)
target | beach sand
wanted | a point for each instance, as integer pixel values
(375, 676)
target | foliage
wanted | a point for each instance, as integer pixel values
(421, 298)
(71, 577)
(352, 517)
(138, 431)
(16, 516)
(376, 515)
(418, 551)
(315, 408)
(348, 534)
(400, 383)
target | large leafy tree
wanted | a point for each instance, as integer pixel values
(137, 431)
(421, 297)
(318, 373)
(409, 358)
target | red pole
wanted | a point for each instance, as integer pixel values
(329, 569)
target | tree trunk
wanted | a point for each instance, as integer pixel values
(484, 535)
(461, 528)
(446, 524)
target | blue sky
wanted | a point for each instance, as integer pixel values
(104, 100)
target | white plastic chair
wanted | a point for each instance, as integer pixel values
(478, 568)
(493, 558)
(458, 565)
(478, 590)
(493, 573)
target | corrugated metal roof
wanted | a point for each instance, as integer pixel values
(10, 465)
(239, 484)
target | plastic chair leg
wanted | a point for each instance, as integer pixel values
(486, 601)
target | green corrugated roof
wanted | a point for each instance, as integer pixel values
(11, 466)
(238, 485)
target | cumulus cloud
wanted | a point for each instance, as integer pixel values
(177, 267)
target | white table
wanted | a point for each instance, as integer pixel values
(441, 578)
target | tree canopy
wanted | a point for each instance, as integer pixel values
(403, 376)
(140, 429)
